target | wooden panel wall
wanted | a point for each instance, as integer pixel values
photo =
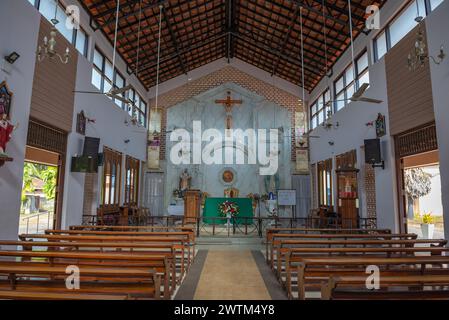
(410, 102)
(52, 100)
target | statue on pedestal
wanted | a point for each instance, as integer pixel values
(185, 181)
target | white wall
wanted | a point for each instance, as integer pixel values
(353, 130)
(110, 127)
(437, 26)
(19, 26)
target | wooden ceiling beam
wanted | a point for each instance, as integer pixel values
(174, 41)
(284, 42)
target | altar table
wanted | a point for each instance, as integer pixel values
(212, 210)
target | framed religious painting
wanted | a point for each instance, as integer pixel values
(81, 121)
(5, 100)
(228, 176)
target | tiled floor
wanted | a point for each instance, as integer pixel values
(231, 275)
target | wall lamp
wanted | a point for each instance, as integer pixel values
(12, 58)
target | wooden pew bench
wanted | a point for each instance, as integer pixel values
(312, 272)
(272, 231)
(160, 264)
(162, 259)
(300, 248)
(280, 240)
(182, 241)
(43, 294)
(31, 279)
(421, 287)
(106, 247)
(290, 256)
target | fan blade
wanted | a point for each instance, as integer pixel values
(369, 100)
(88, 92)
(120, 90)
(361, 91)
(120, 98)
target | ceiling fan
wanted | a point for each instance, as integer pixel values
(358, 96)
(114, 93)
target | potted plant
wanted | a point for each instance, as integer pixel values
(427, 226)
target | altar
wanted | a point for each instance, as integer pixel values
(212, 210)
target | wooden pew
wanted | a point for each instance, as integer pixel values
(271, 231)
(299, 248)
(279, 239)
(182, 240)
(313, 271)
(190, 235)
(168, 251)
(102, 247)
(160, 264)
(419, 287)
(42, 294)
(294, 256)
(31, 279)
(135, 228)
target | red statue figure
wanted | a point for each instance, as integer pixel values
(6, 129)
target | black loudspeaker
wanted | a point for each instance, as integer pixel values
(91, 146)
(372, 151)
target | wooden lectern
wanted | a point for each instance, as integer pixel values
(192, 203)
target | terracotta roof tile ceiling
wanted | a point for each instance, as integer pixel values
(266, 34)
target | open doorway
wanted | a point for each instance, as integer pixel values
(424, 209)
(39, 191)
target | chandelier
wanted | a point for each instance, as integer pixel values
(418, 56)
(48, 48)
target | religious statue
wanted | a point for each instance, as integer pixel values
(228, 104)
(271, 183)
(6, 130)
(185, 181)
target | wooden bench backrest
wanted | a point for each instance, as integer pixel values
(184, 239)
(122, 233)
(357, 286)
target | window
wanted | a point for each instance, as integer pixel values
(345, 86)
(76, 37)
(404, 23)
(112, 175)
(319, 110)
(401, 25)
(434, 4)
(139, 107)
(325, 189)
(380, 46)
(132, 181)
(102, 74)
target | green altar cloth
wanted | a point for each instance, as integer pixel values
(212, 210)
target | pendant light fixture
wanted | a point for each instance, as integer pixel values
(156, 113)
(48, 48)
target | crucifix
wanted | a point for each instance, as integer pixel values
(228, 104)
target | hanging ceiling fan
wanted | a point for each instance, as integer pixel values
(357, 97)
(114, 93)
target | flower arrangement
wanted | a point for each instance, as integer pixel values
(427, 218)
(229, 208)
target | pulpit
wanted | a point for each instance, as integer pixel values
(192, 203)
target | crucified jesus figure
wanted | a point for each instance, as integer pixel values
(228, 105)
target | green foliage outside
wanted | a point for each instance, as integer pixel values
(40, 172)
